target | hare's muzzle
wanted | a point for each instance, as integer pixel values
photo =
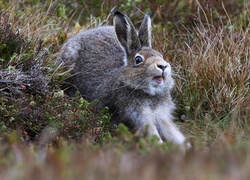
(159, 69)
(163, 65)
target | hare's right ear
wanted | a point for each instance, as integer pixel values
(126, 33)
(145, 31)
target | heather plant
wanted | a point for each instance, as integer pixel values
(31, 99)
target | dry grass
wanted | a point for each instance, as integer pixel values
(215, 65)
(210, 58)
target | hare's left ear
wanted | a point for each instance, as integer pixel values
(144, 33)
(126, 33)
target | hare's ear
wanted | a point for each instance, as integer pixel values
(145, 31)
(126, 33)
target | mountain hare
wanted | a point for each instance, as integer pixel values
(117, 66)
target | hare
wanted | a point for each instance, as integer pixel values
(117, 66)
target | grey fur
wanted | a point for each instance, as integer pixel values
(105, 70)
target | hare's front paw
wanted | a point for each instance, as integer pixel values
(188, 145)
(185, 147)
(149, 130)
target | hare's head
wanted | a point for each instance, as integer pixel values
(145, 67)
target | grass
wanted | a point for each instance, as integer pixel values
(47, 135)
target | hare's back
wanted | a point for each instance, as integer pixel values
(97, 56)
(91, 48)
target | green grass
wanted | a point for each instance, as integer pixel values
(47, 135)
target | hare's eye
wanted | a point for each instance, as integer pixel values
(138, 60)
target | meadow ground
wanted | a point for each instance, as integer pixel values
(47, 135)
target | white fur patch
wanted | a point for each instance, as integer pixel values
(168, 70)
(73, 49)
(153, 90)
(125, 58)
(129, 36)
(149, 32)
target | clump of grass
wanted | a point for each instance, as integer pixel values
(215, 65)
(11, 41)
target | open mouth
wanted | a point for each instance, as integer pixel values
(158, 79)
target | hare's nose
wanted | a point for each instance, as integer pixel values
(162, 67)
